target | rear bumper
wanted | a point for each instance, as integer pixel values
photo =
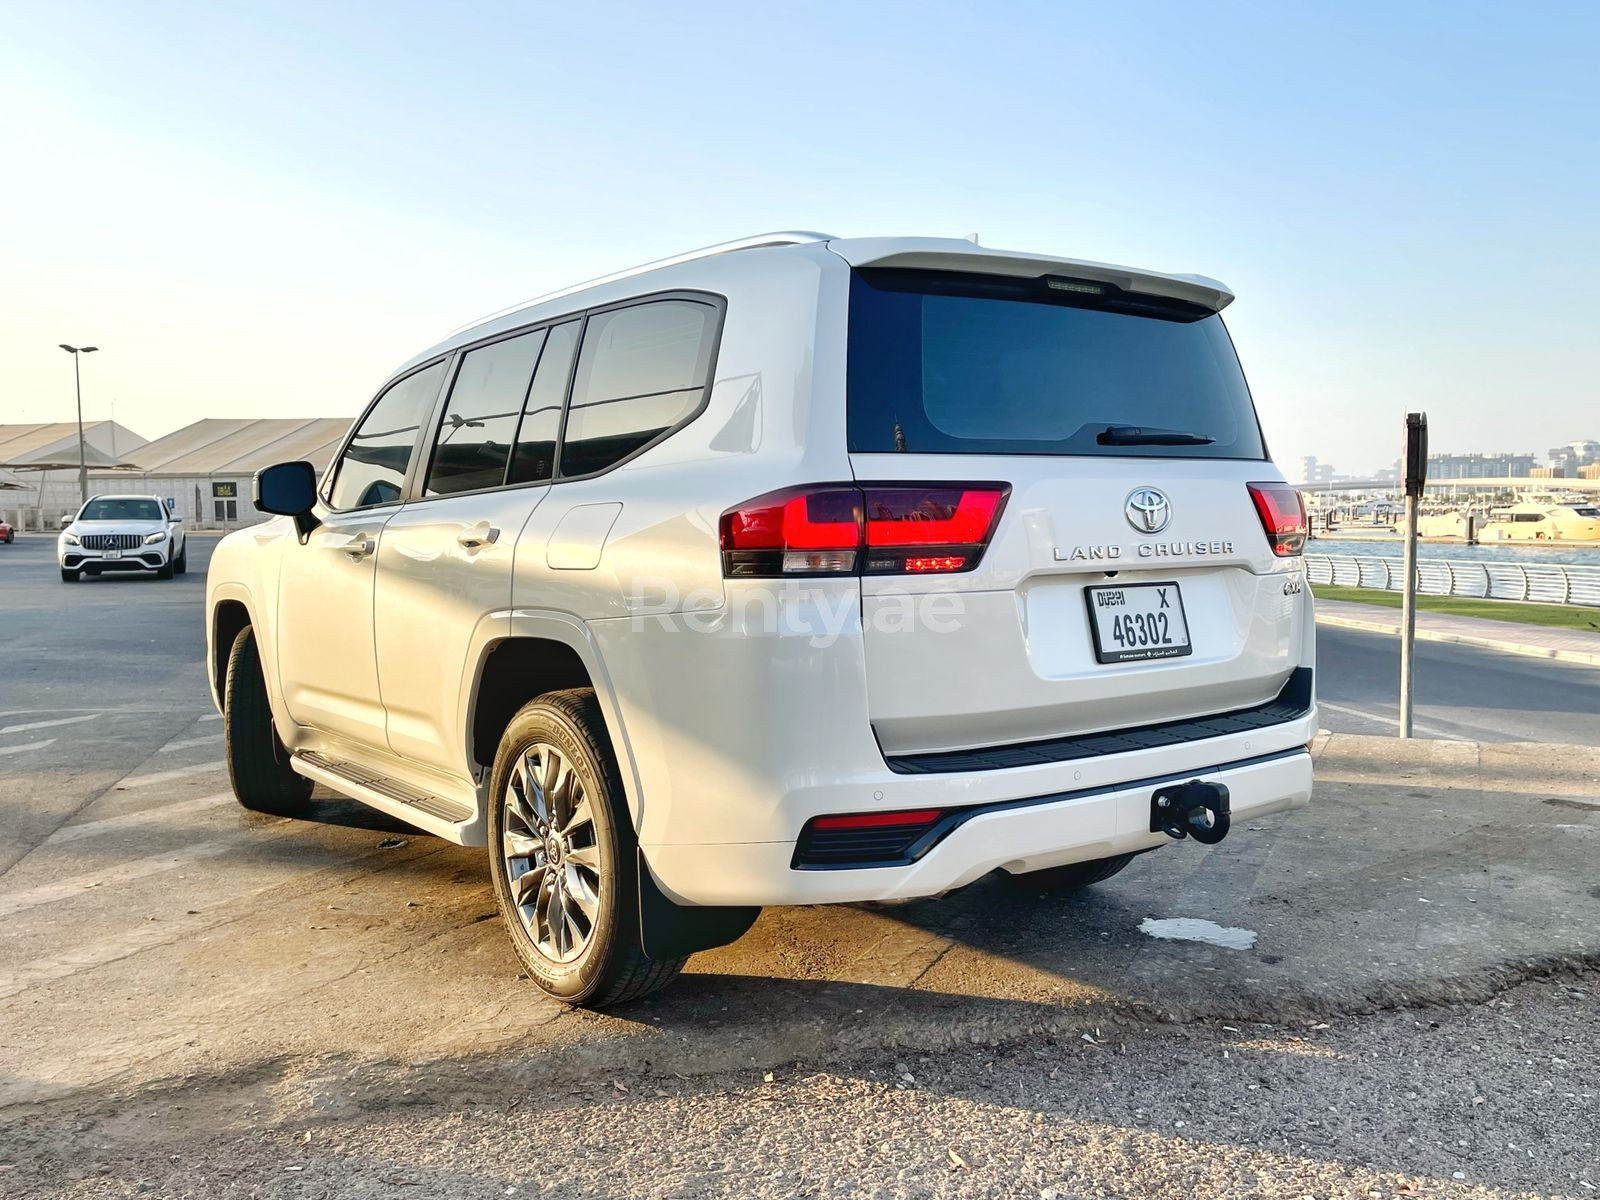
(1025, 833)
(738, 731)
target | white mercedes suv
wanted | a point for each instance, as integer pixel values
(797, 570)
(122, 533)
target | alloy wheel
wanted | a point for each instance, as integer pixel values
(552, 852)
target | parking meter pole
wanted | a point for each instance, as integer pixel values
(1416, 474)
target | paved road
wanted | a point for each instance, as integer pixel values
(200, 1000)
(96, 678)
(1462, 692)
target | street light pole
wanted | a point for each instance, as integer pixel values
(83, 458)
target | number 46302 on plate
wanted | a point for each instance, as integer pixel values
(1136, 622)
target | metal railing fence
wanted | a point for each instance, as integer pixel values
(1546, 583)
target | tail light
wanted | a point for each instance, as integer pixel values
(866, 529)
(1283, 516)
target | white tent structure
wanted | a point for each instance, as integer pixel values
(205, 469)
(39, 466)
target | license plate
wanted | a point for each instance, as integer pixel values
(113, 553)
(1136, 622)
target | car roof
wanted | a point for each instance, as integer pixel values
(919, 253)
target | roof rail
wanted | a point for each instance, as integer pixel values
(787, 237)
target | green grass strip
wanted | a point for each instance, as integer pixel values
(1559, 616)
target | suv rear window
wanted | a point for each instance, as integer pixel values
(963, 364)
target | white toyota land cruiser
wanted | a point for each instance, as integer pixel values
(122, 533)
(797, 570)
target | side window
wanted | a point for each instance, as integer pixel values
(480, 419)
(641, 371)
(372, 468)
(535, 456)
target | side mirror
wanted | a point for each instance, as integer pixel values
(288, 490)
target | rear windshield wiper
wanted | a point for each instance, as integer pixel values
(1138, 435)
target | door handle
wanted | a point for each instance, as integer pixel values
(358, 547)
(476, 536)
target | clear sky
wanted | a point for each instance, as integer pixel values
(260, 209)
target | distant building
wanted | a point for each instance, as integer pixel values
(1548, 473)
(1479, 466)
(1563, 459)
(1572, 455)
(1314, 472)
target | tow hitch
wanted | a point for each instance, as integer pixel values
(1181, 809)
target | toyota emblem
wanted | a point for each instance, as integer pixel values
(1147, 510)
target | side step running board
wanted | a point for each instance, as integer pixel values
(437, 814)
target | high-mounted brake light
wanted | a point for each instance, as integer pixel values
(1283, 516)
(865, 529)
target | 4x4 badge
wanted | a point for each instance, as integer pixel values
(1147, 510)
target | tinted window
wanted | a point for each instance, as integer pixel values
(480, 419)
(641, 371)
(535, 454)
(122, 510)
(372, 468)
(944, 364)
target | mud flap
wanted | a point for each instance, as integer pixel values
(668, 930)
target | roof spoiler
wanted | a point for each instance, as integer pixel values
(951, 254)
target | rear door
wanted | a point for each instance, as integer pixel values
(445, 564)
(1129, 578)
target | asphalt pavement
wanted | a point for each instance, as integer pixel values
(95, 677)
(1462, 692)
(200, 1002)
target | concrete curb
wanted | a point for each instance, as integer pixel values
(1461, 639)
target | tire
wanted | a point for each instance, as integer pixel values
(180, 565)
(69, 576)
(596, 856)
(165, 570)
(258, 763)
(1073, 876)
